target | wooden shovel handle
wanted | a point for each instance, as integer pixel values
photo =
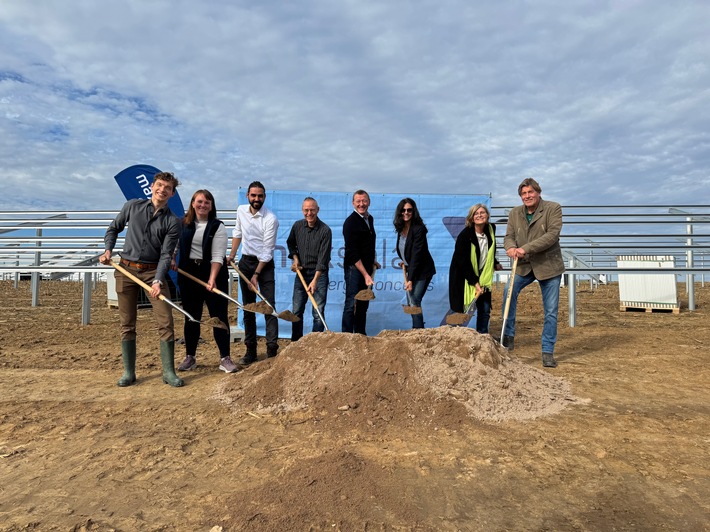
(199, 281)
(305, 287)
(136, 279)
(509, 296)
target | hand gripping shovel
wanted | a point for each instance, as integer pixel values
(286, 315)
(212, 322)
(508, 298)
(313, 301)
(409, 308)
(459, 318)
(367, 294)
(215, 290)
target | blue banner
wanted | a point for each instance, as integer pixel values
(444, 216)
(135, 183)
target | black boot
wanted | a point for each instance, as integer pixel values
(167, 357)
(272, 351)
(128, 354)
(249, 357)
(548, 360)
(508, 342)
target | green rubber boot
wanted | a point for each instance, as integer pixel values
(128, 354)
(167, 357)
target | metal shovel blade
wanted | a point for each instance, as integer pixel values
(287, 315)
(215, 322)
(365, 295)
(459, 318)
(260, 306)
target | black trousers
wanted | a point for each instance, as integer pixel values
(194, 296)
(267, 287)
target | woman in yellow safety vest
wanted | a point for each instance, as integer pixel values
(472, 266)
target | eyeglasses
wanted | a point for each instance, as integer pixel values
(406, 209)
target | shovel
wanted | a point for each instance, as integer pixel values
(409, 308)
(459, 318)
(286, 315)
(215, 290)
(212, 322)
(367, 294)
(313, 301)
(508, 298)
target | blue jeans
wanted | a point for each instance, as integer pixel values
(300, 298)
(354, 312)
(550, 289)
(415, 297)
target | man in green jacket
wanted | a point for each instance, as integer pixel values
(533, 237)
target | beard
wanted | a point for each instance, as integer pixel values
(256, 204)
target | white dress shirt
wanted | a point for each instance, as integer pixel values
(257, 232)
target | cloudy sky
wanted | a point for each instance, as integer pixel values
(601, 101)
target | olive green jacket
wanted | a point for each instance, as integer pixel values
(540, 240)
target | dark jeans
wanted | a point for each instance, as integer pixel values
(194, 296)
(415, 297)
(483, 312)
(354, 312)
(267, 287)
(300, 298)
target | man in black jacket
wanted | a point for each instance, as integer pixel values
(359, 264)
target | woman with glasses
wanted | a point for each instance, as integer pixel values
(472, 266)
(413, 251)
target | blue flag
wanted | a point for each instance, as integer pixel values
(135, 183)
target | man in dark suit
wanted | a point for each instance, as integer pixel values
(359, 263)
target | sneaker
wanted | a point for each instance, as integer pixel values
(228, 366)
(187, 364)
(508, 342)
(548, 360)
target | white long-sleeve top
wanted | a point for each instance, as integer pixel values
(257, 232)
(219, 243)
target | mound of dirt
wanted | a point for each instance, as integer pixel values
(441, 377)
(262, 307)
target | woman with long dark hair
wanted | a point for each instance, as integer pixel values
(203, 246)
(472, 266)
(413, 251)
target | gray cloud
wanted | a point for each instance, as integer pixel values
(601, 101)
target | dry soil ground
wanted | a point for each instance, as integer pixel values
(408, 431)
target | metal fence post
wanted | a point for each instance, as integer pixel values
(572, 295)
(35, 275)
(86, 305)
(690, 278)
